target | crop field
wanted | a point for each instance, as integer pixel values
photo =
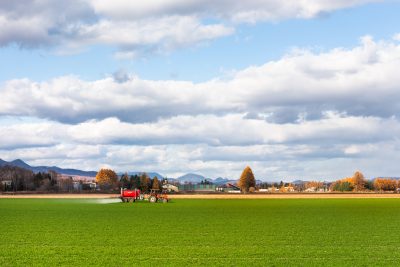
(187, 232)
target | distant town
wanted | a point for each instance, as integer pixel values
(18, 176)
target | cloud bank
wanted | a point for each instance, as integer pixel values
(302, 85)
(315, 115)
(134, 27)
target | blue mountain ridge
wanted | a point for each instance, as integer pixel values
(21, 164)
(150, 174)
(187, 178)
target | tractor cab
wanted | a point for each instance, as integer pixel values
(156, 195)
(154, 191)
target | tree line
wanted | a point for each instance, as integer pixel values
(107, 179)
(14, 178)
(355, 183)
(358, 183)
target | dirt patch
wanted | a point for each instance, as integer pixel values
(214, 196)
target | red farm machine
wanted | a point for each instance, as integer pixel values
(135, 195)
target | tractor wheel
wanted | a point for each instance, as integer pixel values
(165, 200)
(153, 199)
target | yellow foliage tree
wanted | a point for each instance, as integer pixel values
(355, 183)
(247, 180)
(314, 184)
(106, 178)
(385, 184)
(359, 181)
(282, 189)
(156, 183)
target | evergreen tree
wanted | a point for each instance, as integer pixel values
(145, 183)
(135, 181)
(125, 183)
(37, 180)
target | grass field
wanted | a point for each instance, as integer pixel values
(273, 232)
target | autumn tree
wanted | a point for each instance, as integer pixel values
(247, 180)
(315, 185)
(382, 184)
(106, 178)
(359, 181)
(282, 189)
(355, 183)
(156, 183)
(145, 182)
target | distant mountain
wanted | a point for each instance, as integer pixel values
(171, 180)
(16, 163)
(65, 171)
(2, 162)
(36, 169)
(298, 182)
(197, 178)
(220, 180)
(150, 174)
(187, 178)
(73, 172)
(192, 178)
(19, 163)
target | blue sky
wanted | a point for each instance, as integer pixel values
(146, 86)
(252, 44)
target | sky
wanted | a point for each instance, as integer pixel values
(296, 89)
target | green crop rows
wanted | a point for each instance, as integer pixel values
(273, 232)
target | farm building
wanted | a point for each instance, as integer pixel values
(170, 188)
(197, 187)
(228, 188)
(6, 185)
(80, 185)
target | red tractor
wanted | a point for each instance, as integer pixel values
(134, 194)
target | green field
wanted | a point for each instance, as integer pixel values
(311, 232)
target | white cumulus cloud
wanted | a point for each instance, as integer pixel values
(142, 26)
(303, 85)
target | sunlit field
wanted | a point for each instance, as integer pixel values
(318, 232)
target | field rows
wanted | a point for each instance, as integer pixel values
(236, 232)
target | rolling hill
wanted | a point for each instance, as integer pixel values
(74, 172)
